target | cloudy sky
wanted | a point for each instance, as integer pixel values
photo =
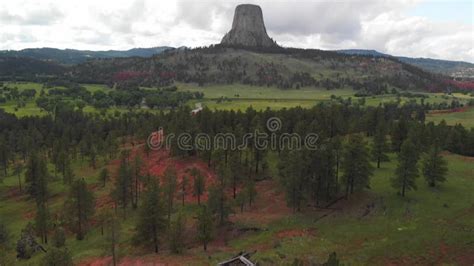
(418, 28)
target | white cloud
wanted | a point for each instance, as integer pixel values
(122, 24)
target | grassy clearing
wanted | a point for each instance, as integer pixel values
(240, 97)
(466, 118)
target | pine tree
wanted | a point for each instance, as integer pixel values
(121, 192)
(104, 176)
(294, 177)
(79, 207)
(250, 190)
(205, 226)
(434, 166)
(240, 200)
(36, 178)
(407, 170)
(42, 222)
(136, 172)
(217, 203)
(169, 189)
(379, 146)
(17, 171)
(177, 234)
(236, 171)
(356, 166)
(68, 173)
(199, 183)
(151, 222)
(111, 224)
(184, 185)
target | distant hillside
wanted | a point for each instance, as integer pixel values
(447, 67)
(71, 56)
(28, 68)
(285, 68)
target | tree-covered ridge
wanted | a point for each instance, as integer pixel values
(286, 68)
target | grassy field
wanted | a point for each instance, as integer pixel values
(237, 96)
(464, 117)
(241, 97)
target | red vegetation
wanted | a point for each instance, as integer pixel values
(127, 75)
(448, 111)
(463, 85)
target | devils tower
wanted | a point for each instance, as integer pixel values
(248, 28)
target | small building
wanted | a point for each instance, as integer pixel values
(197, 109)
(242, 259)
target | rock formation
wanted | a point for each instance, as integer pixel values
(248, 28)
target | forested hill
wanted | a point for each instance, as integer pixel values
(285, 68)
(279, 67)
(71, 56)
(447, 67)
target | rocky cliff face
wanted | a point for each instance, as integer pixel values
(248, 28)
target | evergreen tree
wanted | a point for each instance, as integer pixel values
(236, 171)
(36, 178)
(112, 232)
(151, 222)
(104, 176)
(399, 134)
(17, 171)
(169, 189)
(5, 154)
(379, 146)
(240, 200)
(42, 222)
(177, 234)
(250, 190)
(199, 183)
(79, 207)
(136, 173)
(68, 175)
(184, 185)
(356, 166)
(294, 177)
(121, 192)
(217, 203)
(407, 170)
(434, 166)
(205, 226)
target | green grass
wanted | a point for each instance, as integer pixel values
(465, 118)
(240, 97)
(435, 216)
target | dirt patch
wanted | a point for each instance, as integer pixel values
(448, 111)
(296, 233)
(151, 260)
(269, 205)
